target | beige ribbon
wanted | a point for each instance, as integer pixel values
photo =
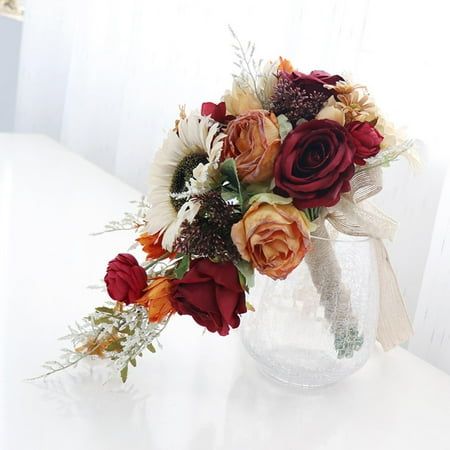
(355, 215)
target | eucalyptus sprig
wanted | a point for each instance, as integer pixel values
(115, 332)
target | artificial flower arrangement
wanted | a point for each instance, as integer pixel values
(243, 185)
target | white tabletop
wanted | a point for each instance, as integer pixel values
(201, 392)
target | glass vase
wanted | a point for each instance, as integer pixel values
(319, 324)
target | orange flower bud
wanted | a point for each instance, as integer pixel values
(285, 65)
(157, 299)
(151, 244)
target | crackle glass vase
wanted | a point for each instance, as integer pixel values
(319, 324)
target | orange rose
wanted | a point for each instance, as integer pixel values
(273, 237)
(151, 244)
(157, 299)
(253, 141)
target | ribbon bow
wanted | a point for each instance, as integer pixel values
(354, 215)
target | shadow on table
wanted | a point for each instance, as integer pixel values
(95, 406)
(262, 413)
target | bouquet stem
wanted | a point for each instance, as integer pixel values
(335, 296)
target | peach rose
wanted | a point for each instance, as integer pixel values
(157, 299)
(253, 140)
(273, 237)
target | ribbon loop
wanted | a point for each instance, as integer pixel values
(354, 215)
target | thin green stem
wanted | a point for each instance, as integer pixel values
(156, 261)
(73, 363)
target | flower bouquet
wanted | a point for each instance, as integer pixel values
(247, 184)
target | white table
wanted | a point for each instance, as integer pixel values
(200, 392)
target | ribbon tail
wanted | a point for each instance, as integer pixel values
(394, 325)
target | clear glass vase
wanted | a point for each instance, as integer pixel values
(319, 324)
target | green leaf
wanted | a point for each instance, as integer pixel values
(284, 125)
(115, 346)
(124, 374)
(228, 195)
(102, 320)
(242, 281)
(270, 198)
(133, 362)
(182, 267)
(229, 172)
(246, 273)
(250, 307)
(104, 309)
(151, 347)
(312, 213)
(127, 330)
(260, 188)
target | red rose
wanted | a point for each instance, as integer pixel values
(212, 294)
(216, 112)
(367, 140)
(315, 164)
(125, 279)
(314, 81)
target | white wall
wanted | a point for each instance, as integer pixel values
(10, 35)
(433, 312)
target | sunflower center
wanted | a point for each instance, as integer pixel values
(183, 173)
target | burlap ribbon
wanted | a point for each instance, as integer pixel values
(355, 215)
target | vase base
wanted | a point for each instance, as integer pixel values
(331, 371)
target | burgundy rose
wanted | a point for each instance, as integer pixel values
(212, 294)
(217, 112)
(315, 81)
(125, 279)
(367, 140)
(301, 96)
(315, 164)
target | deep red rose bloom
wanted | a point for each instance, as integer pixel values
(315, 164)
(313, 81)
(367, 140)
(125, 279)
(212, 294)
(217, 112)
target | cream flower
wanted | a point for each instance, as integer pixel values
(344, 87)
(332, 112)
(268, 80)
(240, 100)
(357, 106)
(184, 166)
(353, 100)
(389, 133)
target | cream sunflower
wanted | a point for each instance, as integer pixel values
(187, 164)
